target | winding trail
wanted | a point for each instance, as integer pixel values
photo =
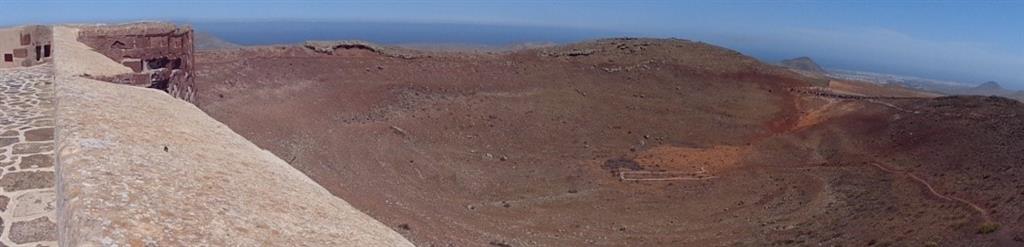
(825, 93)
(662, 176)
(878, 100)
(984, 213)
(1002, 236)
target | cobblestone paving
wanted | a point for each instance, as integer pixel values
(27, 177)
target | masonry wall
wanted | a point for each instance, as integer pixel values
(163, 173)
(25, 46)
(160, 55)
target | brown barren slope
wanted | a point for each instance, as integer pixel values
(614, 142)
(871, 89)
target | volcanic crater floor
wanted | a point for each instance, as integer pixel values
(623, 142)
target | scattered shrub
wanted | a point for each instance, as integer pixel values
(988, 227)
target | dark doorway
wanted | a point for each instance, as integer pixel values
(8, 57)
(39, 53)
(46, 51)
(160, 84)
(157, 63)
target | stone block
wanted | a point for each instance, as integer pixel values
(36, 161)
(36, 135)
(176, 42)
(142, 42)
(3, 203)
(32, 147)
(10, 133)
(21, 53)
(142, 78)
(16, 181)
(158, 42)
(134, 64)
(8, 141)
(34, 203)
(37, 230)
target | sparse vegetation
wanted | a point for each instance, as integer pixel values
(499, 244)
(988, 227)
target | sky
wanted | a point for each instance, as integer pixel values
(967, 41)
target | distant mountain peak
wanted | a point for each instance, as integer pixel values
(803, 63)
(989, 85)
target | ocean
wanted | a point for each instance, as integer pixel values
(394, 33)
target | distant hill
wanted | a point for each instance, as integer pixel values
(804, 64)
(206, 41)
(989, 88)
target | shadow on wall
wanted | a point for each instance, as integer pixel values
(25, 46)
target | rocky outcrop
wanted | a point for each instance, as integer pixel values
(329, 48)
(163, 173)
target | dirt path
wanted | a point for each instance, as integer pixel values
(984, 213)
(663, 176)
(1002, 236)
(878, 100)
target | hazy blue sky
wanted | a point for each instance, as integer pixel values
(970, 41)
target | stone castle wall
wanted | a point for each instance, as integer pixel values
(25, 46)
(160, 55)
(170, 175)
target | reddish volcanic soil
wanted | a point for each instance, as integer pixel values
(625, 142)
(865, 88)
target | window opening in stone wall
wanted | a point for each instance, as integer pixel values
(46, 51)
(160, 84)
(157, 63)
(174, 64)
(8, 57)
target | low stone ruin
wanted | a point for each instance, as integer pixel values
(159, 54)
